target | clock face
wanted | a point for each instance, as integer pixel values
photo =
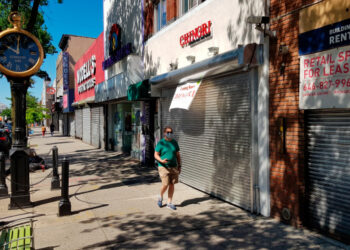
(18, 52)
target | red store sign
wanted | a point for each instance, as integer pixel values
(88, 71)
(201, 32)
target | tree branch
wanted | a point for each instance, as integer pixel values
(15, 5)
(33, 15)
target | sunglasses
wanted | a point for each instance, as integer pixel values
(169, 132)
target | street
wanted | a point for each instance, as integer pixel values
(114, 207)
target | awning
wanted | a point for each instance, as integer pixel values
(139, 91)
(83, 102)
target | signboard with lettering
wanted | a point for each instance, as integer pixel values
(328, 37)
(88, 71)
(184, 95)
(325, 79)
(65, 66)
(196, 35)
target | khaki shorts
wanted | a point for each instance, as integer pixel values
(169, 175)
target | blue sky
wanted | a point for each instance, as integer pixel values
(74, 17)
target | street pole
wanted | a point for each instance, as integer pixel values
(19, 152)
(3, 186)
(55, 181)
(64, 206)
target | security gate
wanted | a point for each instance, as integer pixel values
(215, 138)
(95, 127)
(328, 171)
(86, 125)
(79, 123)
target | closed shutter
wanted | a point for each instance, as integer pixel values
(72, 124)
(95, 123)
(214, 136)
(86, 125)
(328, 171)
(102, 128)
(79, 123)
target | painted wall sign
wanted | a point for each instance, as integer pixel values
(116, 51)
(325, 79)
(65, 66)
(184, 95)
(199, 33)
(328, 37)
(87, 85)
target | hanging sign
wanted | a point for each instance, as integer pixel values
(50, 91)
(184, 95)
(325, 79)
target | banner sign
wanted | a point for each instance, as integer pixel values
(325, 79)
(184, 95)
(327, 37)
(65, 66)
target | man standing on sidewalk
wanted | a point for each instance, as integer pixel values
(167, 153)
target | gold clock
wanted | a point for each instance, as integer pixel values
(21, 53)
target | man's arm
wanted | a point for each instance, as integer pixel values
(178, 157)
(157, 157)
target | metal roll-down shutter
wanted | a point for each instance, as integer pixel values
(102, 128)
(328, 171)
(95, 124)
(87, 125)
(79, 123)
(215, 137)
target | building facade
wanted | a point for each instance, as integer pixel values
(89, 117)
(72, 48)
(216, 64)
(309, 114)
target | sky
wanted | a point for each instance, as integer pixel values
(73, 17)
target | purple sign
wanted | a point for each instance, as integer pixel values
(119, 55)
(65, 66)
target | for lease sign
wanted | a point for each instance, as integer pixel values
(325, 79)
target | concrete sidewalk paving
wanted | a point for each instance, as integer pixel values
(114, 206)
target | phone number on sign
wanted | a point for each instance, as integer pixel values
(327, 84)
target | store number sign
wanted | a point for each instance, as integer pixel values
(325, 79)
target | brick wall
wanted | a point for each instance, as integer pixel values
(287, 162)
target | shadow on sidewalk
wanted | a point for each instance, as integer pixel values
(218, 228)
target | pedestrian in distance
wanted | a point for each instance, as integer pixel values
(167, 153)
(52, 128)
(43, 130)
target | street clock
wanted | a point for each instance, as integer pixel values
(21, 53)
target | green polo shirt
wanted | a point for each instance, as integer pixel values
(167, 150)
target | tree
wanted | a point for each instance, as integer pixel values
(33, 19)
(35, 112)
(7, 113)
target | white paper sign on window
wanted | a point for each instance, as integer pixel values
(184, 95)
(325, 79)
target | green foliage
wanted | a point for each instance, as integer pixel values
(6, 112)
(35, 112)
(25, 9)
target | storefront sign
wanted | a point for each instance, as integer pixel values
(184, 95)
(87, 70)
(325, 79)
(199, 33)
(65, 66)
(327, 37)
(87, 85)
(116, 51)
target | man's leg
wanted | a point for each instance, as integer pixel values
(163, 189)
(171, 192)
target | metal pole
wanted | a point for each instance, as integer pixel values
(3, 187)
(64, 207)
(55, 181)
(20, 196)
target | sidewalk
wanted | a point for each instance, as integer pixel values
(114, 207)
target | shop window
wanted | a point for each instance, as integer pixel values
(160, 14)
(186, 5)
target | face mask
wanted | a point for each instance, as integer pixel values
(170, 135)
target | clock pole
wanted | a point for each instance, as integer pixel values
(20, 196)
